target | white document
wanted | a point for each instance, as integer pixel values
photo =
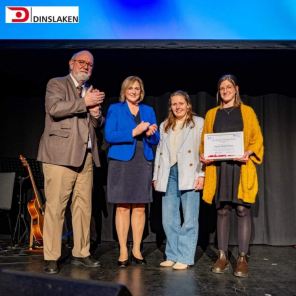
(224, 146)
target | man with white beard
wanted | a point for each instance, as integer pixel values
(68, 148)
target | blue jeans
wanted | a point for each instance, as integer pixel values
(181, 241)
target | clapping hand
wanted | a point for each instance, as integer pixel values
(142, 127)
(93, 97)
(151, 130)
(95, 110)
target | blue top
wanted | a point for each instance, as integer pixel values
(119, 126)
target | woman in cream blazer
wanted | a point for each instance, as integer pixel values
(178, 174)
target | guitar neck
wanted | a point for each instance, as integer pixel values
(37, 194)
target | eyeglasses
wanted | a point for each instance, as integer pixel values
(83, 63)
(228, 88)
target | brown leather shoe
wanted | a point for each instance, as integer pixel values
(222, 264)
(242, 269)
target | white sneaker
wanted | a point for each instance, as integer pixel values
(167, 263)
(179, 265)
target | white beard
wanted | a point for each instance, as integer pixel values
(81, 77)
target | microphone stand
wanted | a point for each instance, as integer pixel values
(20, 217)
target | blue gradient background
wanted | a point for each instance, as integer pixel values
(163, 19)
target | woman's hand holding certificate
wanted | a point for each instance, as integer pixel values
(205, 161)
(245, 157)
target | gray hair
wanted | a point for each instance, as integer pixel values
(73, 57)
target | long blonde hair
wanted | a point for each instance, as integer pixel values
(232, 79)
(170, 122)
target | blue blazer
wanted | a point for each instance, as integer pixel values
(118, 131)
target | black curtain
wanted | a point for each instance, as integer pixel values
(24, 74)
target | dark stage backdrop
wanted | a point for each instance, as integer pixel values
(24, 74)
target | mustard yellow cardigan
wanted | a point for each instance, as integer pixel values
(253, 140)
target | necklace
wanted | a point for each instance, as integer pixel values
(228, 111)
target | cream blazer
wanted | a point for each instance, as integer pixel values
(189, 167)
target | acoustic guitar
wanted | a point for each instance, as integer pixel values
(36, 209)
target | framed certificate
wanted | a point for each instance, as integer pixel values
(224, 146)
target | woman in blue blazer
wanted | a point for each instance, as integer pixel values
(131, 130)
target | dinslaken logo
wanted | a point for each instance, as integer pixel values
(42, 14)
(21, 14)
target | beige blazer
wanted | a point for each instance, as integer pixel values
(67, 126)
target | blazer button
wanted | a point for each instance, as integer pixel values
(191, 164)
(189, 151)
(160, 153)
(159, 166)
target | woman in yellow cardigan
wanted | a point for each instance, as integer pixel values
(233, 184)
